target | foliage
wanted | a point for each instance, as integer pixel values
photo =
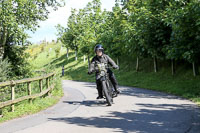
(163, 29)
(4, 70)
(18, 16)
(184, 19)
(57, 50)
(18, 59)
(83, 28)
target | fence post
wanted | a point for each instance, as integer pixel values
(29, 91)
(52, 81)
(53, 76)
(137, 64)
(13, 96)
(47, 81)
(76, 58)
(63, 70)
(40, 83)
(29, 96)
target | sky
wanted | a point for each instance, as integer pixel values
(47, 30)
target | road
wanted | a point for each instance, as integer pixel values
(134, 111)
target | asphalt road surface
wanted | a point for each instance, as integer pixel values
(134, 111)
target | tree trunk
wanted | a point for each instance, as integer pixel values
(137, 64)
(155, 65)
(1, 113)
(3, 42)
(195, 69)
(118, 61)
(84, 58)
(88, 62)
(76, 55)
(67, 53)
(173, 66)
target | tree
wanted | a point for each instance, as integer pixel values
(16, 16)
(158, 29)
(136, 29)
(149, 31)
(112, 35)
(183, 17)
(91, 20)
(83, 28)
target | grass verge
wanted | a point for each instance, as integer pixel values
(25, 108)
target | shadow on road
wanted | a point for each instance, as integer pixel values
(89, 103)
(151, 118)
(145, 93)
(138, 92)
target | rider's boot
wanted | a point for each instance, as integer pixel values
(114, 83)
(116, 89)
(100, 95)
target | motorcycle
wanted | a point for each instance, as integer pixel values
(106, 84)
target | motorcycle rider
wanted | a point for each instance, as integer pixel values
(105, 59)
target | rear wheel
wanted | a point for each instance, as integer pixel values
(106, 93)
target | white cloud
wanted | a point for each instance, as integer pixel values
(47, 28)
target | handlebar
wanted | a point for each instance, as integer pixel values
(97, 70)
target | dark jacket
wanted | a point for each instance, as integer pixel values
(105, 59)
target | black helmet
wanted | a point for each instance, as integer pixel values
(98, 47)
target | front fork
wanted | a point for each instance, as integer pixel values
(105, 83)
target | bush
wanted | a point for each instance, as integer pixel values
(5, 68)
(18, 59)
(57, 52)
(42, 48)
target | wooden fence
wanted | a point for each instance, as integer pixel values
(11, 85)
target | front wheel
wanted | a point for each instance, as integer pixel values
(105, 90)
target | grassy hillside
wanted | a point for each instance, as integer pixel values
(182, 84)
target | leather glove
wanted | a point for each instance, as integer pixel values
(116, 67)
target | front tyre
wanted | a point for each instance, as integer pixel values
(105, 90)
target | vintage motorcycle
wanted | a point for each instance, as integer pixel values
(106, 84)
